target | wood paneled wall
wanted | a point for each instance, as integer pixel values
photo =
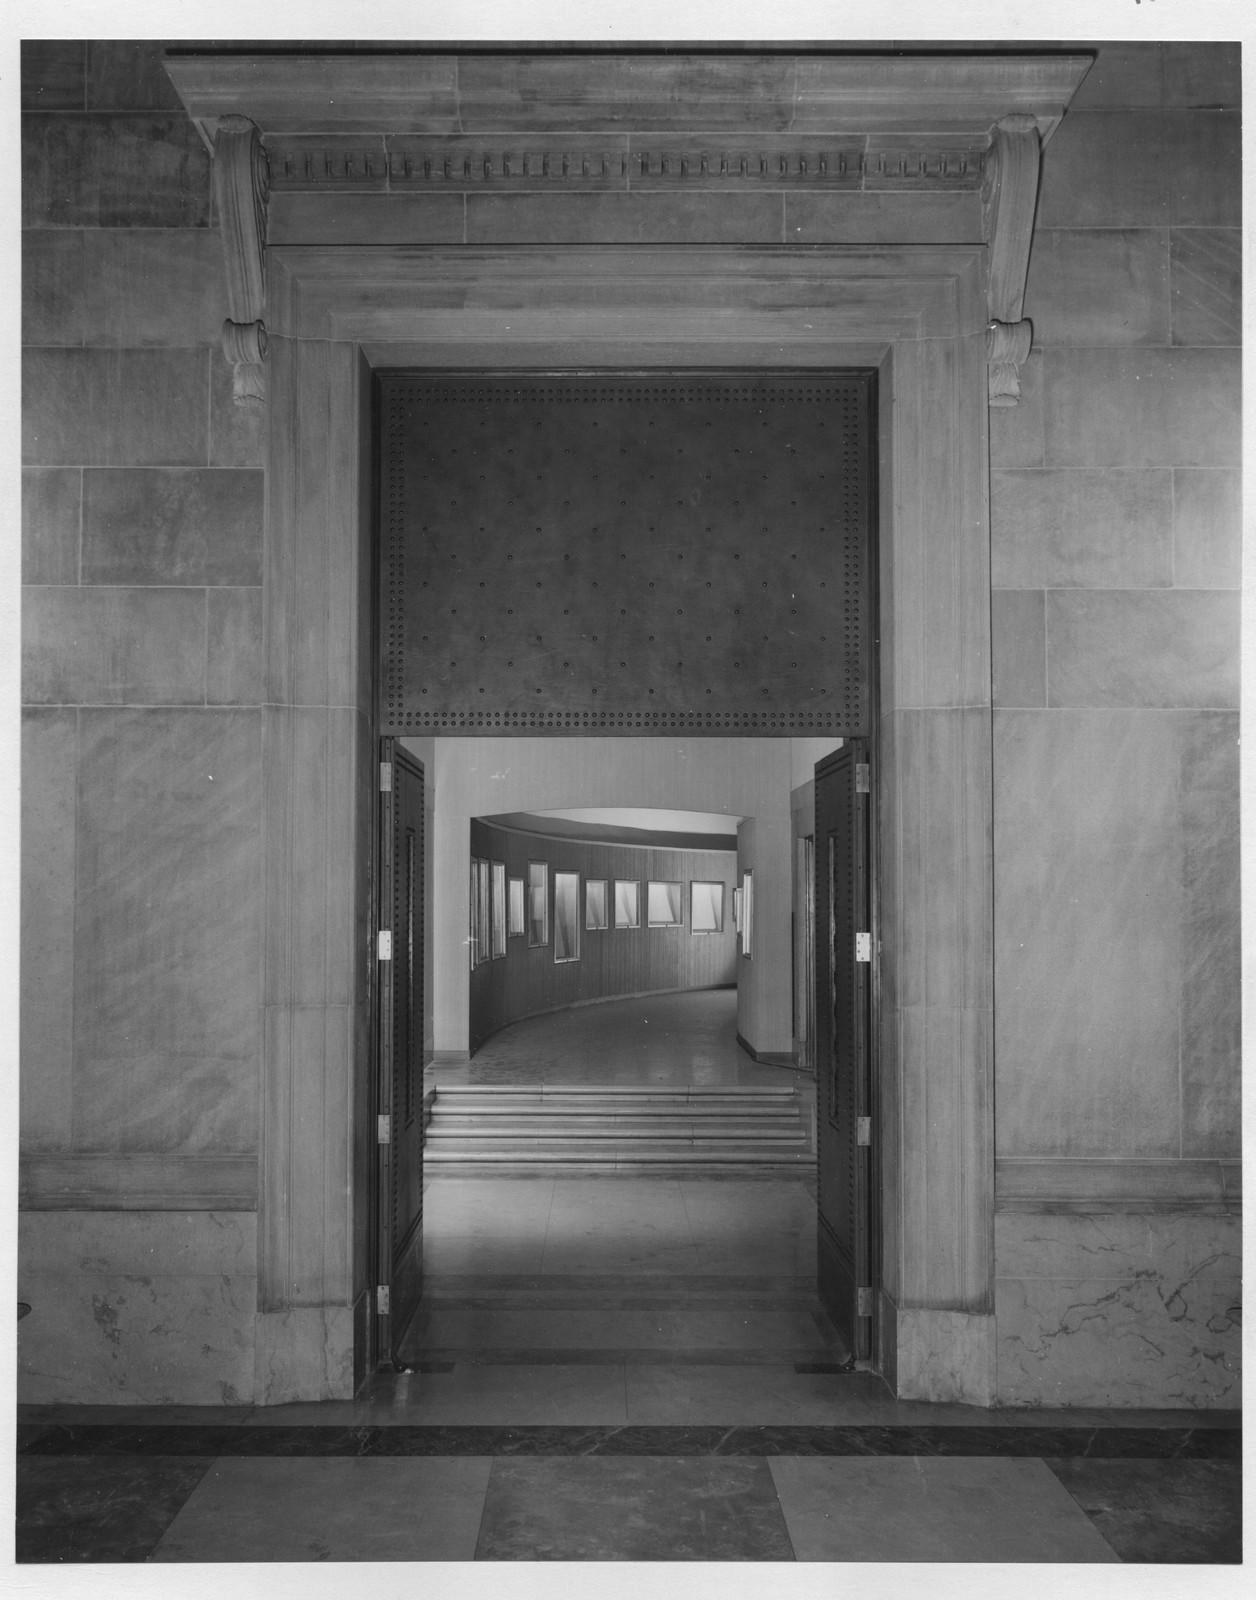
(613, 961)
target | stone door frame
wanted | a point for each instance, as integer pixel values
(919, 315)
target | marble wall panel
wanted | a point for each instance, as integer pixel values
(1206, 272)
(305, 1353)
(1127, 73)
(1142, 647)
(52, 286)
(237, 434)
(1018, 647)
(166, 978)
(1146, 408)
(882, 218)
(1202, 73)
(350, 218)
(152, 286)
(943, 855)
(114, 408)
(1087, 907)
(1207, 528)
(49, 771)
(1017, 436)
(615, 218)
(137, 1307)
(128, 75)
(1142, 168)
(120, 171)
(1106, 286)
(113, 646)
(51, 513)
(234, 670)
(1210, 961)
(173, 526)
(53, 74)
(1118, 1310)
(1082, 529)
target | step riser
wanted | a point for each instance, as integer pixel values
(591, 1129)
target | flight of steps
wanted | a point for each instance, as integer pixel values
(519, 1128)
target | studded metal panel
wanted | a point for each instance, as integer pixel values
(842, 1039)
(625, 554)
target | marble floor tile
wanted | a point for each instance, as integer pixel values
(482, 1253)
(1112, 1417)
(915, 1508)
(407, 1509)
(632, 1509)
(190, 1416)
(749, 1395)
(660, 1326)
(1160, 1511)
(72, 1508)
(467, 1205)
(519, 1395)
(624, 1253)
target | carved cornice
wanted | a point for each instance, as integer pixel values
(1010, 193)
(806, 95)
(241, 191)
(308, 163)
(429, 123)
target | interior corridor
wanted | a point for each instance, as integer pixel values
(688, 1038)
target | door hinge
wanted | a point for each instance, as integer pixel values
(863, 947)
(863, 778)
(385, 777)
(382, 1297)
(385, 944)
(383, 1130)
(863, 1130)
(863, 1307)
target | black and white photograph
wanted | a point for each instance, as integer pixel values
(630, 809)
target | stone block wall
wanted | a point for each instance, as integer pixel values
(1115, 571)
(142, 507)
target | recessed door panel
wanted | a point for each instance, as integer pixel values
(400, 1263)
(843, 1081)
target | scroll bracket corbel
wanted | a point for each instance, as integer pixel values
(1010, 197)
(241, 192)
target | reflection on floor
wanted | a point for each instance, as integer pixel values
(625, 1369)
(688, 1038)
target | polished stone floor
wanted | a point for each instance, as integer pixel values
(670, 1039)
(625, 1370)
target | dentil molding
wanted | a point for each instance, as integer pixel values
(432, 122)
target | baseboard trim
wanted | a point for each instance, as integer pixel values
(80, 1181)
(1090, 1186)
(768, 1058)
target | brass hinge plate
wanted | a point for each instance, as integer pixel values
(385, 777)
(863, 1130)
(863, 947)
(385, 944)
(382, 1300)
(863, 1306)
(863, 778)
(383, 1131)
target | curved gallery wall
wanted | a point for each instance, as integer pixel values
(568, 948)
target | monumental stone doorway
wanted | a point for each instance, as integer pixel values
(934, 310)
